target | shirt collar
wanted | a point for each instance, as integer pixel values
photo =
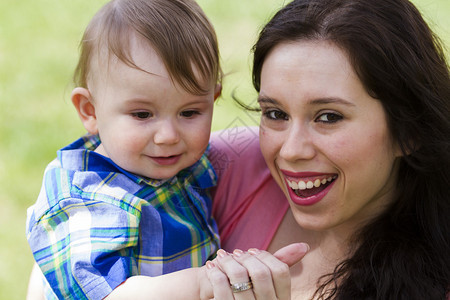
(80, 156)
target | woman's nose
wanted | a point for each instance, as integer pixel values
(298, 144)
(166, 133)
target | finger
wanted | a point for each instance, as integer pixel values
(219, 282)
(236, 273)
(280, 270)
(292, 253)
(260, 274)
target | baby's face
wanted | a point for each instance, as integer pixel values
(147, 124)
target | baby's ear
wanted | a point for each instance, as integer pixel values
(82, 100)
(217, 91)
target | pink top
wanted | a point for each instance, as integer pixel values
(248, 205)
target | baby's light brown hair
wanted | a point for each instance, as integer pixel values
(178, 30)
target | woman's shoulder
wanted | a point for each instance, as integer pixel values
(248, 205)
(235, 149)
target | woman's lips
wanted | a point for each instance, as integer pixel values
(166, 160)
(308, 188)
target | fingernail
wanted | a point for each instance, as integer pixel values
(305, 246)
(238, 252)
(222, 253)
(254, 251)
(210, 265)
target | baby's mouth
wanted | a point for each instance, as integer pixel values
(308, 188)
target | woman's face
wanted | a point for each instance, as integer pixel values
(325, 140)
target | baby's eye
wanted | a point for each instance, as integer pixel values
(189, 113)
(141, 115)
(275, 114)
(329, 118)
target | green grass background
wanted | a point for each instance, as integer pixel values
(38, 52)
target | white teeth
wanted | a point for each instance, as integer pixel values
(303, 185)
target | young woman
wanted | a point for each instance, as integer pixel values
(355, 130)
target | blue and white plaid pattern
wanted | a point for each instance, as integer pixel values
(94, 224)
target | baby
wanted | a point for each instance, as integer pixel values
(130, 197)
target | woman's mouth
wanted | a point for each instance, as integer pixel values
(310, 189)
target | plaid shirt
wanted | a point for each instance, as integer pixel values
(94, 224)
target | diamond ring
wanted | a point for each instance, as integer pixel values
(240, 287)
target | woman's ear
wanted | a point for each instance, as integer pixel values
(82, 100)
(217, 91)
(409, 148)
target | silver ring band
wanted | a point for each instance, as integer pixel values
(240, 287)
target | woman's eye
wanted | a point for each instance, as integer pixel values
(141, 115)
(329, 118)
(275, 115)
(189, 113)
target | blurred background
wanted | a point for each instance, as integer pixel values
(38, 52)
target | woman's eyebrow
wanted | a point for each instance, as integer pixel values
(330, 100)
(264, 99)
(318, 101)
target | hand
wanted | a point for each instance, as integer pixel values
(269, 274)
(36, 284)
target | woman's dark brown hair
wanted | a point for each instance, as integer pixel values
(405, 252)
